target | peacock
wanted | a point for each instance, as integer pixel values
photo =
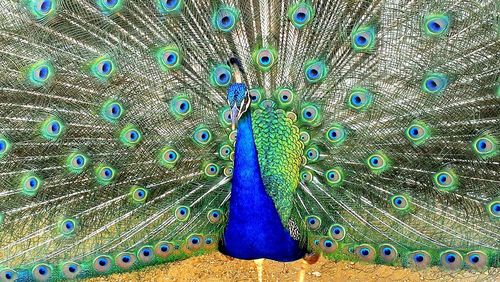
(140, 132)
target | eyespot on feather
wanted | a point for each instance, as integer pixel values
(451, 260)
(170, 6)
(300, 14)
(41, 272)
(71, 270)
(365, 252)
(146, 254)
(102, 264)
(363, 39)
(337, 232)
(225, 18)
(419, 259)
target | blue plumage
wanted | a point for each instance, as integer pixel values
(254, 228)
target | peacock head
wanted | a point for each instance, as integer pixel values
(238, 99)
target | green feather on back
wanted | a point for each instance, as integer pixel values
(280, 155)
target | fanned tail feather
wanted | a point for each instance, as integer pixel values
(116, 146)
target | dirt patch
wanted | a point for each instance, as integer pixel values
(216, 267)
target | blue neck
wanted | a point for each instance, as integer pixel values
(254, 229)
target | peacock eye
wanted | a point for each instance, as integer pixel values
(225, 115)
(221, 76)
(315, 71)
(264, 58)
(130, 136)
(41, 9)
(180, 107)
(182, 213)
(228, 171)
(255, 95)
(30, 184)
(170, 6)
(110, 3)
(300, 14)
(337, 232)
(71, 270)
(434, 83)
(225, 19)
(102, 264)
(169, 58)
(476, 259)
(388, 253)
(41, 73)
(108, 7)
(334, 176)
(163, 249)
(170, 156)
(306, 176)
(4, 146)
(304, 137)
(68, 226)
(225, 151)
(336, 134)
(102, 68)
(359, 99)
(211, 170)
(418, 132)
(451, 260)
(42, 272)
(493, 208)
(445, 180)
(363, 39)
(365, 252)
(44, 6)
(313, 222)
(145, 254)
(400, 202)
(76, 162)
(8, 275)
(194, 242)
(310, 115)
(105, 174)
(125, 260)
(312, 154)
(327, 246)
(51, 129)
(111, 111)
(436, 25)
(202, 135)
(285, 97)
(485, 146)
(105, 67)
(209, 242)
(378, 162)
(215, 216)
(139, 194)
(419, 259)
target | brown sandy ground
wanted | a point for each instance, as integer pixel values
(215, 267)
